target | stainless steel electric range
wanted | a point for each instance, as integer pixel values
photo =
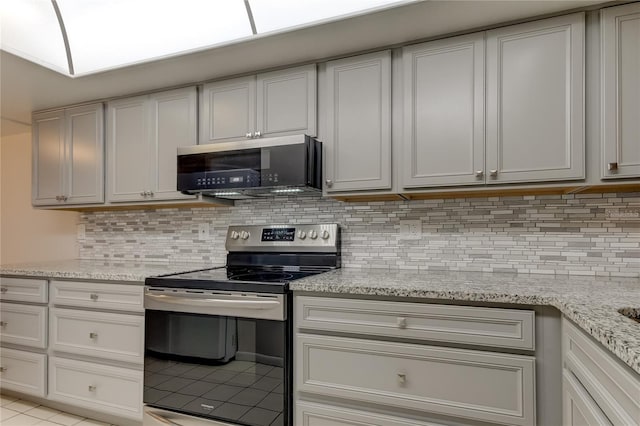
(218, 342)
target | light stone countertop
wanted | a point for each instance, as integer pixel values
(590, 302)
(100, 270)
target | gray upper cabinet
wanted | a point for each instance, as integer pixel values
(357, 140)
(444, 112)
(68, 155)
(535, 101)
(271, 104)
(143, 134)
(620, 35)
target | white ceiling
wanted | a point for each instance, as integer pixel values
(26, 87)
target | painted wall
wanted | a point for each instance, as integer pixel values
(27, 234)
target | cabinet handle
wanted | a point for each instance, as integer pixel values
(249, 135)
(58, 197)
(65, 198)
(93, 296)
(257, 135)
(402, 378)
(150, 193)
(493, 173)
(92, 388)
(329, 183)
(402, 322)
(143, 194)
(613, 167)
(4, 290)
(3, 324)
(479, 173)
(3, 369)
(93, 335)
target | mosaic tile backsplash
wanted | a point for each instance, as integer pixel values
(590, 234)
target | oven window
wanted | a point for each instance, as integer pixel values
(217, 367)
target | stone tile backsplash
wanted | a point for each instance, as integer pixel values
(590, 234)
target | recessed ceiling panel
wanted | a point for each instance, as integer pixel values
(105, 34)
(273, 15)
(30, 29)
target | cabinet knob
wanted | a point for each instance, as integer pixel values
(402, 378)
(3, 324)
(143, 194)
(3, 369)
(93, 335)
(493, 173)
(93, 296)
(613, 167)
(329, 183)
(402, 322)
(479, 173)
(92, 388)
(257, 134)
(4, 290)
(65, 198)
(150, 193)
(58, 197)
(249, 135)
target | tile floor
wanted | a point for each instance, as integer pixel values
(20, 412)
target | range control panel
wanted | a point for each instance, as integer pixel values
(283, 238)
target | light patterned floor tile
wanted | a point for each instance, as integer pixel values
(21, 420)
(89, 422)
(6, 414)
(6, 399)
(66, 419)
(46, 423)
(21, 405)
(42, 412)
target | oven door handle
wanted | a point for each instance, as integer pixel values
(215, 303)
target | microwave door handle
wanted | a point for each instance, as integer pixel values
(216, 303)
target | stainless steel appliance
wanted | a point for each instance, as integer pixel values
(245, 169)
(218, 342)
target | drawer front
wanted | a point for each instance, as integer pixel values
(108, 389)
(578, 408)
(114, 336)
(23, 290)
(507, 328)
(313, 414)
(491, 387)
(119, 297)
(613, 387)
(23, 372)
(23, 324)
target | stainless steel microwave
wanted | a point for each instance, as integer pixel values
(235, 170)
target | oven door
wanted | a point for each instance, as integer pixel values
(222, 356)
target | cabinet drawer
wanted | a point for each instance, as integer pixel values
(507, 328)
(23, 290)
(108, 389)
(313, 414)
(578, 408)
(114, 336)
(485, 386)
(120, 297)
(23, 372)
(23, 324)
(615, 388)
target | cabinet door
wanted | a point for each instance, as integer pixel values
(48, 158)
(23, 372)
(84, 155)
(173, 124)
(286, 102)
(128, 150)
(228, 110)
(620, 34)
(578, 408)
(358, 137)
(444, 112)
(535, 101)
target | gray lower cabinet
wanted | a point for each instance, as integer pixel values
(359, 361)
(143, 134)
(620, 56)
(68, 156)
(597, 388)
(357, 140)
(444, 112)
(270, 104)
(535, 101)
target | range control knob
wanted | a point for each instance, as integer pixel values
(324, 234)
(313, 234)
(244, 235)
(302, 235)
(234, 235)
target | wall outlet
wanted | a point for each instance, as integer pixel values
(411, 229)
(81, 232)
(203, 231)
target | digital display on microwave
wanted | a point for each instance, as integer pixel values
(278, 234)
(235, 179)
